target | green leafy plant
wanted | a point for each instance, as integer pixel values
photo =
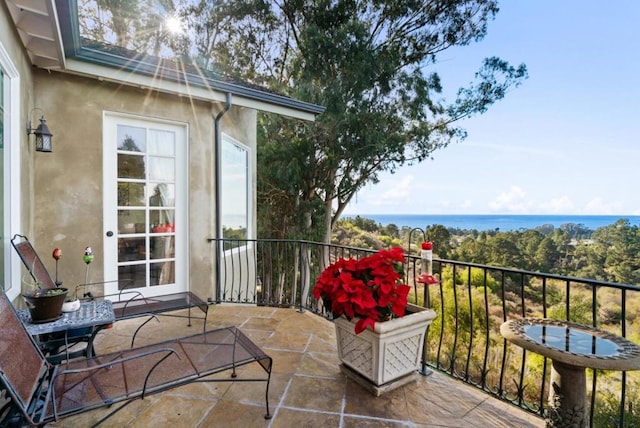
(35, 288)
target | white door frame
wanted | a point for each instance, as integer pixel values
(112, 238)
(13, 134)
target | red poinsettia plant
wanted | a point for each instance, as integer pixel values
(370, 288)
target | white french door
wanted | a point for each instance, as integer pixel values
(145, 205)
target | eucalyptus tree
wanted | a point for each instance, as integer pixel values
(622, 246)
(441, 238)
(369, 63)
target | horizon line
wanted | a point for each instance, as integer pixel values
(492, 214)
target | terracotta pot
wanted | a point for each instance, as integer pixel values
(46, 305)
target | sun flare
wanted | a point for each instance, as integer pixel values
(174, 25)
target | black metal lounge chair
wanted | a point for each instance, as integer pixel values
(38, 392)
(32, 261)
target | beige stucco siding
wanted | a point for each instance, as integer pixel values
(68, 181)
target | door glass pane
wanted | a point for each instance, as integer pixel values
(162, 143)
(162, 247)
(133, 275)
(131, 166)
(132, 249)
(161, 221)
(131, 139)
(162, 195)
(162, 168)
(131, 194)
(235, 190)
(131, 221)
(162, 273)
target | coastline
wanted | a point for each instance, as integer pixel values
(502, 222)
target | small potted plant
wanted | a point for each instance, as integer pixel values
(44, 305)
(369, 303)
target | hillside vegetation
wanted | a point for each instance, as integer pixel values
(610, 253)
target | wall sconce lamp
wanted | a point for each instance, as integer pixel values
(42, 133)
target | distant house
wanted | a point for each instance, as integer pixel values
(150, 159)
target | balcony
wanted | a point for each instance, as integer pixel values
(478, 378)
(472, 301)
(307, 387)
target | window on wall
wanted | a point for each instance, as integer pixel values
(1, 111)
(235, 202)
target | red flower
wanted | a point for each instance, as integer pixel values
(370, 288)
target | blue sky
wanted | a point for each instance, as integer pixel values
(564, 142)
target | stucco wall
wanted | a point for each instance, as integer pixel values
(68, 182)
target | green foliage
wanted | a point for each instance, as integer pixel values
(471, 319)
(607, 406)
(610, 253)
(580, 309)
(230, 233)
(365, 224)
(622, 243)
(368, 64)
(349, 234)
(441, 239)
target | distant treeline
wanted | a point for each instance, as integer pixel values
(610, 253)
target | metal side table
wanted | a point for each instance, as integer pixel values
(55, 338)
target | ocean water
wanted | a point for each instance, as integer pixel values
(502, 222)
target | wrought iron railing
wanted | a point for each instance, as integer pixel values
(472, 301)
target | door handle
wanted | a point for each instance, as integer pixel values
(109, 234)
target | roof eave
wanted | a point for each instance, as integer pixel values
(38, 27)
(186, 79)
(180, 88)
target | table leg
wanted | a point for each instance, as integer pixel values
(568, 406)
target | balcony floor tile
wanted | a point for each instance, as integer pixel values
(307, 388)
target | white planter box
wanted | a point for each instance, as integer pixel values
(391, 351)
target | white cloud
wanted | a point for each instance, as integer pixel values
(512, 201)
(466, 204)
(397, 193)
(560, 205)
(602, 207)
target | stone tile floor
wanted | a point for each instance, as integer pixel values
(307, 388)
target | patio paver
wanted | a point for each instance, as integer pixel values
(307, 388)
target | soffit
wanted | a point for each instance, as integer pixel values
(37, 25)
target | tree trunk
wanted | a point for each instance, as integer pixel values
(327, 236)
